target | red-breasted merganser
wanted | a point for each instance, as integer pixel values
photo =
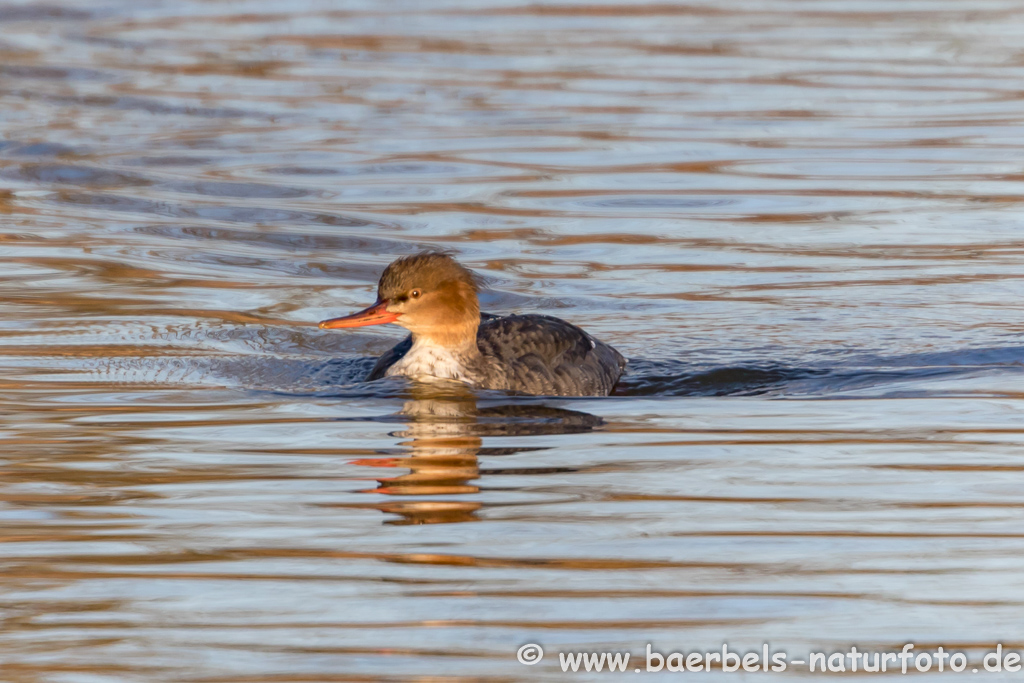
(435, 298)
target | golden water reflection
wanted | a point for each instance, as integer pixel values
(800, 221)
(444, 436)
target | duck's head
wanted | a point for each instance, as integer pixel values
(429, 294)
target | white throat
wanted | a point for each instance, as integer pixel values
(426, 361)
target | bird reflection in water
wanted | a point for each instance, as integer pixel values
(446, 428)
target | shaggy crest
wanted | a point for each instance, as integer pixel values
(430, 271)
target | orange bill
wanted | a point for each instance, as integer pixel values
(376, 314)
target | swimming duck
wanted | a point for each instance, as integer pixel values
(435, 298)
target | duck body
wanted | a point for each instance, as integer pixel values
(528, 354)
(435, 298)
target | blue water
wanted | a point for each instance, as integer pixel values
(799, 221)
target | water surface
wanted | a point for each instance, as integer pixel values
(800, 221)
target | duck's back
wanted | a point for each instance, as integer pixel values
(539, 354)
(534, 354)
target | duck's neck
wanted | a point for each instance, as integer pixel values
(440, 357)
(459, 341)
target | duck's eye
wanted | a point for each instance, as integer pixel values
(415, 294)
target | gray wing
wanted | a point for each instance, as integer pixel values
(548, 356)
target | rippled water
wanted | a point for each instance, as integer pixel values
(800, 221)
